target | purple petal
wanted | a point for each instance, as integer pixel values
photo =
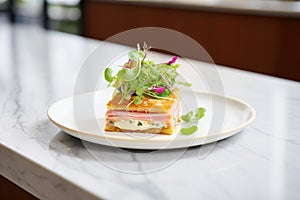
(173, 60)
(158, 90)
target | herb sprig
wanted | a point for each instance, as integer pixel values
(140, 77)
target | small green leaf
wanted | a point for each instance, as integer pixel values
(140, 123)
(165, 93)
(189, 130)
(187, 117)
(135, 55)
(121, 73)
(137, 100)
(200, 113)
(175, 66)
(108, 74)
(140, 91)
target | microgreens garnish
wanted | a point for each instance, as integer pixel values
(140, 77)
(192, 117)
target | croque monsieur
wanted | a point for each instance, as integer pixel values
(159, 116)
(145, 98)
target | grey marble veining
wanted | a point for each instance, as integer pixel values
(38, 67)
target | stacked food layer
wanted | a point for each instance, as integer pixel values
(152, 115)
(145, 97)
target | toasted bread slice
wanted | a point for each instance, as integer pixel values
(148, 104)
(167, 131)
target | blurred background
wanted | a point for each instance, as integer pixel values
(61, 15)
(256, 35)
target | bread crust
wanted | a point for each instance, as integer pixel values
(166, 131)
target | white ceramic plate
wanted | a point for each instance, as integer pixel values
(225, 116)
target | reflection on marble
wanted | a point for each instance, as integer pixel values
(261, 162)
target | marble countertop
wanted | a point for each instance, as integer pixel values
(252, 7)
(39, 67)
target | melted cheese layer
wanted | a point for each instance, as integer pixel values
(138, 125)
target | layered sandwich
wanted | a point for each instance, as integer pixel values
(152, 115)
(145, 97)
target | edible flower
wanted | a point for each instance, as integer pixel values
(158, 90)
(173, 60)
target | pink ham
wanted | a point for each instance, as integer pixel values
(120, 114)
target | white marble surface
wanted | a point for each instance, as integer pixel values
(37, 68)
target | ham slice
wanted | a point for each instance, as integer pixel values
(120, 114)
(115, 115)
